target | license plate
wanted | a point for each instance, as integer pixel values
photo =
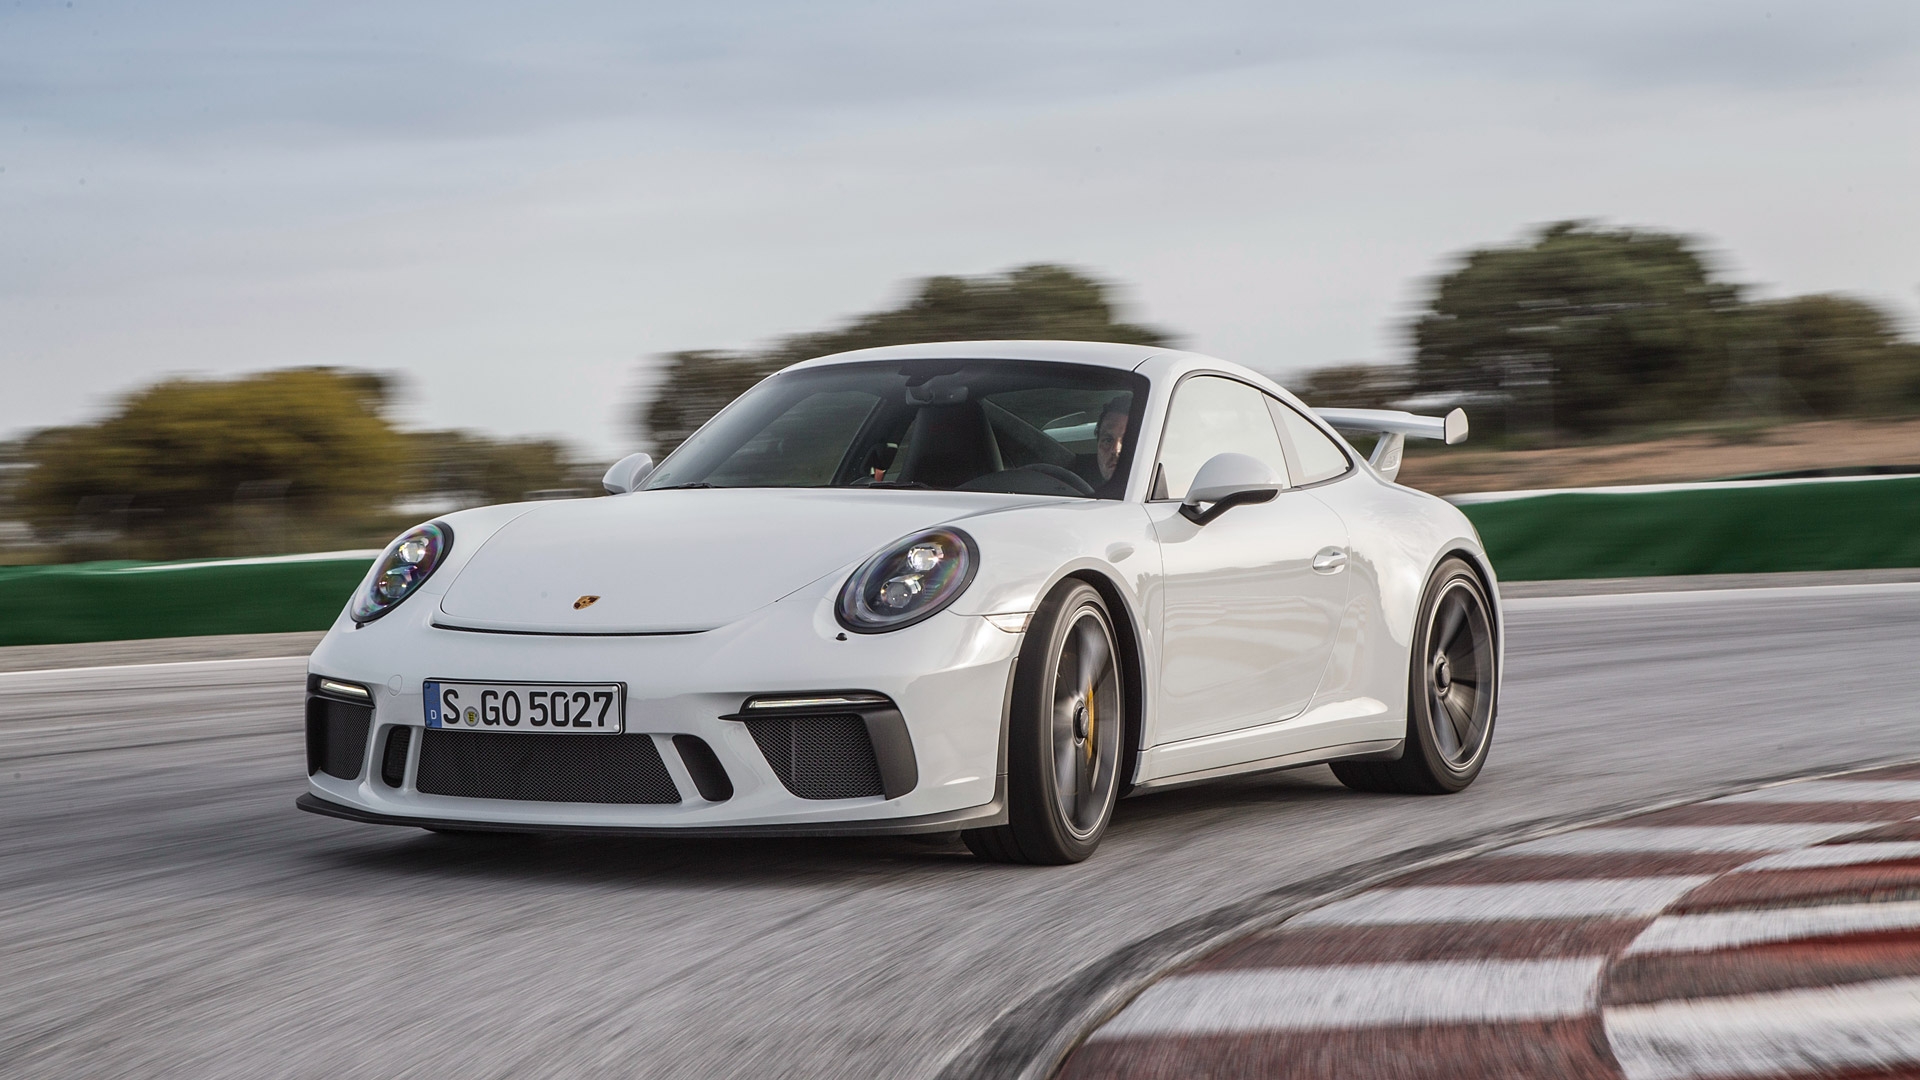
(527, 708)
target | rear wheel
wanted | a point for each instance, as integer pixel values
(1451, 693)
(1065, 736)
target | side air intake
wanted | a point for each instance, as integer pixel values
(819, 757)
(337, 737)
(835, 744)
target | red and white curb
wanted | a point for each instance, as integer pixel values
(1774, 933)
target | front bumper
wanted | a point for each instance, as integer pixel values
(948, 679)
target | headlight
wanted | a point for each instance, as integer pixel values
(908, 582)
(407, 562)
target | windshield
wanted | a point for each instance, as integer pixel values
(1013, 426)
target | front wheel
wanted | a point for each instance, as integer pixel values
(1065, 736)
(1451, 693)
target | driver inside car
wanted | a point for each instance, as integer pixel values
(1110, 440)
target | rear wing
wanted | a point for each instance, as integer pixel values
(1393, 427)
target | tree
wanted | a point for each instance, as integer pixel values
(1355, 386)
(1832, 355)
(178, 467)
(473, 470)
(1040, 301)
(269, 463)
(1601, 327)
(698, 384)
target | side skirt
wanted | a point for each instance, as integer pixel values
(1375, 750)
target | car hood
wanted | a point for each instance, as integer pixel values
(676, 561)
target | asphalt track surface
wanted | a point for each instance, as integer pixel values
(164, 911)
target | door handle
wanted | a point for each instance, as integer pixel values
(1329, 560)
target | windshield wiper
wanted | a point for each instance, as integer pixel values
(678, 487)
(898, 484)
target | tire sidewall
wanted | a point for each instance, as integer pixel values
(1420, 719)
(1031, 778)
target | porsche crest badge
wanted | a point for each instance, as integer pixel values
(584, 602)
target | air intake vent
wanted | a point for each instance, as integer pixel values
(393, 762)
(709, 776)
(336, 737)
(819, 757)
(543, 768)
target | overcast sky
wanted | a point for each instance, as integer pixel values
(519, 205)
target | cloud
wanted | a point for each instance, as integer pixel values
(515, 204)
(458, 70)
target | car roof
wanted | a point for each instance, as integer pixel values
(1171, 363)
(1096, 353)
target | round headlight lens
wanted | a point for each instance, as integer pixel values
(406, 563)
(908, 582)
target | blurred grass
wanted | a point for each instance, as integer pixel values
(114, 601)
(1851, 525)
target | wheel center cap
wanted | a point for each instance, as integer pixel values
(1080, 721)
(1442, 673)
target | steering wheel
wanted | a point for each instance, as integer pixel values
(1064, 475)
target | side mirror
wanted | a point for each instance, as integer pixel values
(1227, 481)
(627, 473)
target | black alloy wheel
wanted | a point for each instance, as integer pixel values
(1451, 694)
(1065, 736)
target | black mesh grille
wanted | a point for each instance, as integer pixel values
(819, 757)
(544, 768)
(393, 762)
(336, 737)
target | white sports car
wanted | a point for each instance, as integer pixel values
(986, 587)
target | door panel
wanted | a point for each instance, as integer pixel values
(1247, 623)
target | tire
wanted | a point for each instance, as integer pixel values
(1452, 693)
(1065, 736)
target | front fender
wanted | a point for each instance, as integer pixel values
(471, 530)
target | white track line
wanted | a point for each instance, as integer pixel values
(1731, 929)
(1469, 498)
(162, 667)
(1359, 995)
(1763, 593)
(1517, 900)
(1859, 854)
(1798, 1032)
(356, 555)
(1705, 839)
(1831, 791)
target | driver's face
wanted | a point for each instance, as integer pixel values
(1112, 435)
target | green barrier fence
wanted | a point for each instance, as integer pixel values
(42, 605)
(1738, 528)
(1699, 529)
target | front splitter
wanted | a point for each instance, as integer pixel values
(973, 817)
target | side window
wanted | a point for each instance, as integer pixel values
(1315, 456)
(1211, 416)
